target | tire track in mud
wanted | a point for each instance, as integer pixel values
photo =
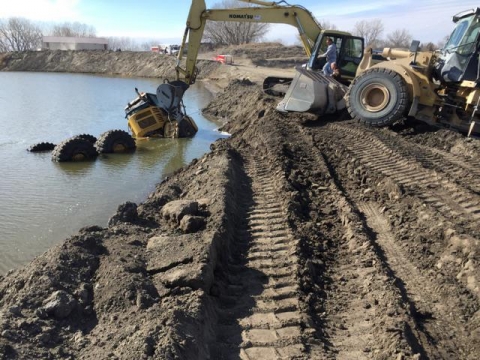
(261, 314)
(442, 331)
(436, 309)
(365, 315)
(448, 198)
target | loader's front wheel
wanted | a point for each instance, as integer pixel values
(115, 141)
(187, 127)
(74, 149)
(378, 97)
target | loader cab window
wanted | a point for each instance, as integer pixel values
(464, 37)
(459, 61)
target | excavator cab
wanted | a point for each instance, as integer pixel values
(349, 53)
(458, 60)
(311, 90)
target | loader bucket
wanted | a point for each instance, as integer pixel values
(311, 91)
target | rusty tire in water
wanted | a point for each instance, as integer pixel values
(43, 146)
(74, 149)
(88, 137)
(377, 98)
(115, 141)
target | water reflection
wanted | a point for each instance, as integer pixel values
(75, 169)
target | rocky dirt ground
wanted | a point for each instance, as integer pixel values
(296, 238)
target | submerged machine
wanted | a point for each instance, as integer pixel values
(161, 114)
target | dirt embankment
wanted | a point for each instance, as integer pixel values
(123, 63)
(296, 238)
(145, 64)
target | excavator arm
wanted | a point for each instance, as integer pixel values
(266, 12)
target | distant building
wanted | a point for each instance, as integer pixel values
(74, 43)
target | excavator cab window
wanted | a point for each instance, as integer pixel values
(349, 53)
(317, 61)
(350, 56)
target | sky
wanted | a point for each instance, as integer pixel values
(164, 20)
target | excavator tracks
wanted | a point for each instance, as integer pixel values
(261, 313)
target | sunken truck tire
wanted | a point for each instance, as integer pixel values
(74, 149)
(115, 141)
(377, 98)
(88, 137)
(187, 127)
(43, 146)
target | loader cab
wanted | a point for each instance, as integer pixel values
(349, 53)
(459, 57)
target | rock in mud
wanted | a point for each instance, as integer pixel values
(177, 209)
(126, 212)
(60, 304)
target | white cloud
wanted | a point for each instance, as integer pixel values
(41, 10)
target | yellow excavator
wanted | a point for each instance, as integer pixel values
(350, 52)
(441, 88)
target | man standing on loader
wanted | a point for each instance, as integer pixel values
(331, 56)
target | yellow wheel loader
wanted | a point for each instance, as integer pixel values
(441, 88)
(161, 114)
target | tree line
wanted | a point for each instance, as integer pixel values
(236, 33)
(20, 34)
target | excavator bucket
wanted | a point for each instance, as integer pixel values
(170, 96)
(311, 91)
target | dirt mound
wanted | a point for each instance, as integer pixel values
(268, 54)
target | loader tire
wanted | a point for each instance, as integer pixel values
(43, 146)
(115, 141)
(74, 149)
(377, 98)
(88, 137)
(187, 128)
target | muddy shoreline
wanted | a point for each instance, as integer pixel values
(296, 238)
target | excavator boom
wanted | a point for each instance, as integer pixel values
(268, 12)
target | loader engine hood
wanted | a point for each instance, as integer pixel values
(458, 59)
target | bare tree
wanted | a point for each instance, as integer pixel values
(74, 29)
(19, 34)
(327, 25)
(233, 33)
(369, 30)
(429, 46)
(399, 39)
